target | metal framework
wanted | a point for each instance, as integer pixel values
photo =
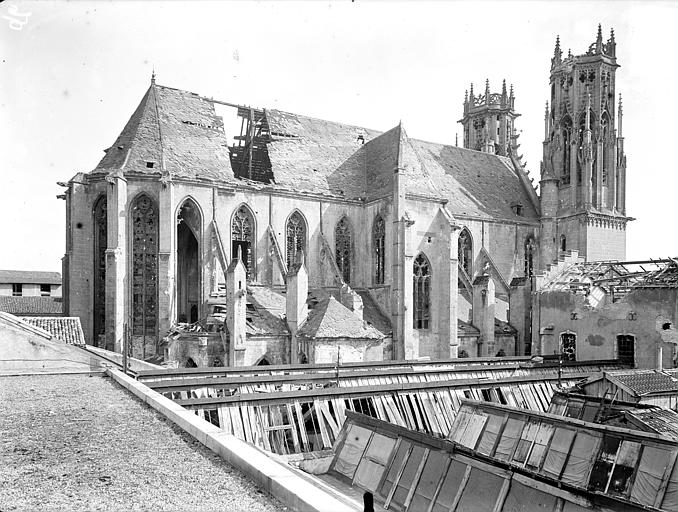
(617, 278)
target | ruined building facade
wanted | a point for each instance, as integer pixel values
(367, 243)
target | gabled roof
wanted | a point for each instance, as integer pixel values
(176, 131)
(66, 329)
(331, 319)
(31, 305)
(29, 277)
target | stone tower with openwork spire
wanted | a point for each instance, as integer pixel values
(583, 175)
(489, 120)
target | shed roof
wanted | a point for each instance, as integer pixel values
(66, 329)
(29, 277)
(644, 382)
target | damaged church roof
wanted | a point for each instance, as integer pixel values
(331, 319)
(177, 134)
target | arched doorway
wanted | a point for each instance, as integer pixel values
(188, 262)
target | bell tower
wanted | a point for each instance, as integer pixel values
(489, 120)
(583, 173)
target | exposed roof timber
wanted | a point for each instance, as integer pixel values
(370, 390)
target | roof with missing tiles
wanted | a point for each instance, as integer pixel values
(178, 133)
(645, 382)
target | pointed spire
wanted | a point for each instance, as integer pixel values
(599, 40)
(611, 46)
(511, 92)
(546, 121)
(239, 256)
(471, 93)
(503, 87)
(487, 91)
(153, 76)
(456, 139)
(557, 53)
(612, 35)
(569, 52)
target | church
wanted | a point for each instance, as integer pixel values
(314, 240)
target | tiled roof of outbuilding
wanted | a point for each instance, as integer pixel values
(29, 277)
(331, 319)
(31, 305)
(644, 382)
(662, 421)
(65, 328)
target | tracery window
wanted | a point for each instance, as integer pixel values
(100, 245)
(144, 266)
(529, 257)
(295, 236)
(604, 125)
(465, 251)
(421, 292)
(568, 346)
(343, 248)
(242, 235)
(378, 240)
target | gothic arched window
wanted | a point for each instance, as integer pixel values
(563, 243)
(100, 244)
(295, 236)
(343, 248)
(144, 266)
(465, 251)
(243, 236)
(529, 257)
(421, 292)
(378, 240)
(605, 127)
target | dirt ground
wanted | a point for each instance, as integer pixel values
(75, 442)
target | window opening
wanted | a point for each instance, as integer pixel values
(144, 266)
(343, 248)
(465, 252)
(17, 289)
(422, 286)
(568, 346)
(242, 235)
(295, 234)
(379, 239)
(626, 349)
(45, 290)
(529, 257)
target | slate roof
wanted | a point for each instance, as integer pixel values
(313, 155)
(176, 127)
(331, 319)
(372, 314)
(66, 329)
(645, 382)
(265, 312)
(475, 183)
(662, 421)
(31, 305)
(29, 277)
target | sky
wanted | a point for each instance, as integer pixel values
(73, 73)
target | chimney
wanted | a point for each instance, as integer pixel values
(295, 305)
(352, 300)
(236, 293)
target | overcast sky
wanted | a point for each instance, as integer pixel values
(75, 71)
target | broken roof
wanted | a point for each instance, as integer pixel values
(29, 277)
(661, 421)
(614, 277)
(331, 319)
(178, 134)
(265, 312)
(619, 464)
